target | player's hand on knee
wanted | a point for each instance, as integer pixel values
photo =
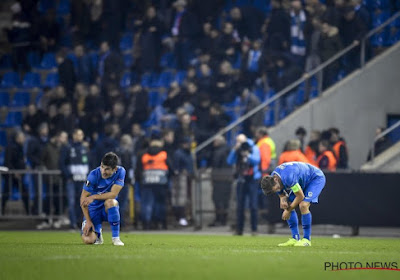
(284, 204)
(88, 228)
(285, 215)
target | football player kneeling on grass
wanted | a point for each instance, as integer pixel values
(98, 200)
(300, 184)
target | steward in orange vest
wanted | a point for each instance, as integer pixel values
(311, 151)
(152, 173)
(339, 148)
(293, 153)
(326, 159)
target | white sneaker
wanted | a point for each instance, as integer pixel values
(99, 239)
(183, 222)
(117, 242)
(43, 225)
(57, 224)
(65, 221)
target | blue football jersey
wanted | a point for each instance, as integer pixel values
(95, 184)
(292, 173)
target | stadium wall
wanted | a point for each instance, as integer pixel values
(357, 106)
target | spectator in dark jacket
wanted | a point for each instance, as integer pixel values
(352, 29)
(278, 28)
(329, 44)
(380, 145)
(15, 159)
(247, 21)
(150, 40)
(66, 73)
(184, 29)
(49, 32)
(139, 103)
(221, 181)
(110, 66)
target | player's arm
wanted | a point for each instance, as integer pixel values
(298, 192)
(85, 210)
(115, 189)
(283, 201)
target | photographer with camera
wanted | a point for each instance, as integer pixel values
(245, 155)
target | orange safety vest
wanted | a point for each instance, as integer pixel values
(296, 155)
(265, 155)
(311, 155)
(336, 148)
(155, 168)
(331, 159)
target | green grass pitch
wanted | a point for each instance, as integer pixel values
(60, 255)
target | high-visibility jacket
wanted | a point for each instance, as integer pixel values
(265, 156)
(341, 159)
(155, 168)
(289, 156)
(331, 160)
(311, 155)
(271, 144)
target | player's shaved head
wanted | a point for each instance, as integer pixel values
(241, 138)
(90, 238)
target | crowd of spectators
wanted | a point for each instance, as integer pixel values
(125, 72)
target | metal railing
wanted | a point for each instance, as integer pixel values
(380, 135)
(39, 178)
(305, 77)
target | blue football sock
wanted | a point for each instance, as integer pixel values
(293, 223)
(306, 222)
(114, 219)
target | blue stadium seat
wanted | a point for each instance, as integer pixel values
(6, 61)
(146, 80)
(20, 99)
(154, 99)
(269, 118)
(372, 5)
(13, 118)
(167, 60)
(259, 92)
(94, 59)
(165, 79)
(45, 5)
(52, 80)
(154, 80)
(128, 60)
(2, 155)
(63, 8)
(3, 138)
(33, 59)
(300, 97)
(127, 80)
(48, 61)
(291, 102)
(394, 38)
(10, 80)
(180, 76)
(31, 80)
(380, 18)
(126, 43)
(4, 99)
(380, 39)
(262, 5)
(313, 93)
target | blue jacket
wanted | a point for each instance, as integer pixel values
(253, 160)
